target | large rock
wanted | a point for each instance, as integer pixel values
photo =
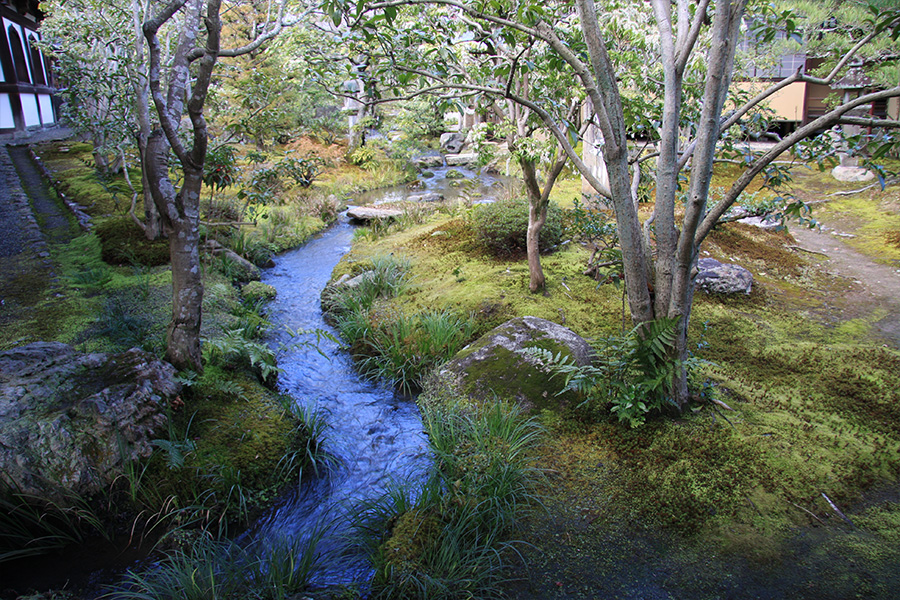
(365, 214)
(492, 366)
(429, 160)
(72, 420)
(468, 159)
(851, 174)
(426, 197)
(241, 268)
(452, 143)
(720, 278)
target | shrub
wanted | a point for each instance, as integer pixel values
(221, 168)
(634, 374)
(302, 170)
(501, 227)
(363, 157)
(123, 243)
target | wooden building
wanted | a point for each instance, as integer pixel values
(26, 84)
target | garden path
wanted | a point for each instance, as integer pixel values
(877, 285)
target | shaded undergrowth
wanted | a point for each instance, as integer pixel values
(451, 535)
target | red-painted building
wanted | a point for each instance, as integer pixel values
(26, 83)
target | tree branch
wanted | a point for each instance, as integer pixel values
(869, 122)
(823, 122)
(167, 120)
(798, 75)
(686, 45)
(278, 25)
(201, 85)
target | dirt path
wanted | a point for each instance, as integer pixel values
(878, 285)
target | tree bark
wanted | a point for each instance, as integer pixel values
(607, 104)
(183, 334)
(180, 210)
(538, 201)
(537, 216)
(152, 224)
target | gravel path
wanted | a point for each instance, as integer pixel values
(879, 284)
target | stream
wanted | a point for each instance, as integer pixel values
(375, 435)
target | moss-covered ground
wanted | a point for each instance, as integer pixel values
(784, 486)
(232, 441)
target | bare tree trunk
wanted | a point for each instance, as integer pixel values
(537, 216)
(538, 201)
(726, 26)
(152, 223)
(183, 334)
(181, 210)
(607, 104)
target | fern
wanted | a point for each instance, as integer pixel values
(634, 374)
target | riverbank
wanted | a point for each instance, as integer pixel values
(199, 478)
(748, 500)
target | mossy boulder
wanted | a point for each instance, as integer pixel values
(257, 291)
(492, 366)
(413, 534)
(71, 421)
(236, 266)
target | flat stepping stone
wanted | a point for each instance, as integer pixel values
(366, 214)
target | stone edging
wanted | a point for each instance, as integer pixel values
(84, 219)
(19, 199)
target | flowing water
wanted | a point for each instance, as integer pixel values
(375, 435)
(476, 186)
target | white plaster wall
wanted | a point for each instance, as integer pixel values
(46, 107)
(30, 110)
(7, 121)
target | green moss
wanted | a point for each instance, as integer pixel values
(256, 291)
(123, 243)
(758, 249)
(240, 431)
(873, 218)
(414, 533)
(506, 377)
(566, 191)
(494, 288)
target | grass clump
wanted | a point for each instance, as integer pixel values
(223, 570)
(501, 227)
(230, 449)
(447, 537)
(256, 291)
(390, 345)
(31, 526)
(404, 349)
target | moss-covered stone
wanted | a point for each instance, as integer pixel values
(493, 366)
(413, 533)
(256, 291)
